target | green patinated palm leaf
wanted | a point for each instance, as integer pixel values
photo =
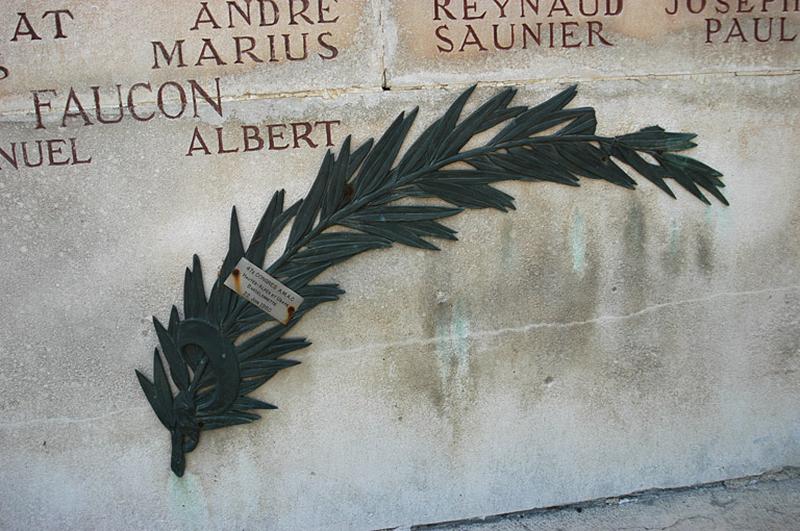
(368, 198)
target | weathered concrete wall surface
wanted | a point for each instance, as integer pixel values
(594, 342)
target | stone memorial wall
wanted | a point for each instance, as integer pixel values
(595, 341)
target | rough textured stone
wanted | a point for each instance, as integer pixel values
(760, 503)
(266, 55)
(455, 41)
(595, 342)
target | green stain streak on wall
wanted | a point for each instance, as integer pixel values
(186, 501)
(577, 238)
(456, 382)
(452, 345)
(719, 218)
(674, 238)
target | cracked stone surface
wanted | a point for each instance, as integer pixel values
(752, 504)
(592, 343)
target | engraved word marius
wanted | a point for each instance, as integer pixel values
(358, 191)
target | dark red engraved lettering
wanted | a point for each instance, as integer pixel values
(197, 138)
(177, 48)
(208, 47)
(251, 44)
(250, 133)
(220, 148)
(98, 106)
(440, 34)
(333, 50)
(38, 104)
(52, 151)
(216, 103)
(442, 4)
(132, 107)
(272, 135)
(328, 135)
(57, 16)
(181, 97)
(298, 136)
(80, 112)
(23, 18)
(301, 13)
(323, 8)
(208, 20)
(74, 150)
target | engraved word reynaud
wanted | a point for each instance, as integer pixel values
(483, 25)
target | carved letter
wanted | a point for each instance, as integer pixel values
(328, 135)
(302, 136)
(52, 150)
(334, 51)
(196, 136)
(253, 135)
(80, 112)
(57, 15)
(442, 4)
(325, 9)
(38, 104)
(251, 44)
(176, 48)
(132, 107)
(30, 31)
(440, 34)
(198, 90)
(208, 20)
(74, 149)
(207, 46)
(713, 25)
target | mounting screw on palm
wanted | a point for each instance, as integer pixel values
(359, 191)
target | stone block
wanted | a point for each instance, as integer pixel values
(463, 41)
(144, 53)
(594, 342)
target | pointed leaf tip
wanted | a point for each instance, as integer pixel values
(172, 328)
(177, 366)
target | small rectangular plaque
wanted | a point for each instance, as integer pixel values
(261, 289)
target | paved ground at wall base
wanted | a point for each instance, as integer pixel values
(768, 502)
